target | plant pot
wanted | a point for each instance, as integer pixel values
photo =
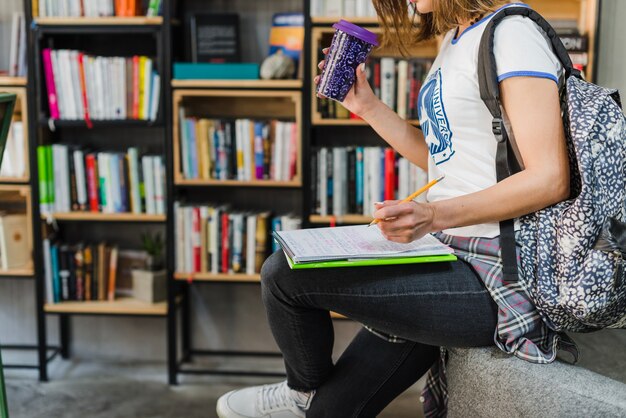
(149, 286)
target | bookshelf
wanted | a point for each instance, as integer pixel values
(161, 39)
(16, 199)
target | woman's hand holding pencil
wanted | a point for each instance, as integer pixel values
(405, 221)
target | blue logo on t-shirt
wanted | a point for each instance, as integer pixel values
(434, 121)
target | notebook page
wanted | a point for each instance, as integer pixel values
(353, 242)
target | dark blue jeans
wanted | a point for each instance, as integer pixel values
(430, 305)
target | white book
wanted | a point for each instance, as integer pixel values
(60, 170)
(110, 185)
(388, 82)
(14, 45)
(248, 152)
(323, 183)
(78, 89)
(81, 182)
(180, 237)
(67, 85)
(371, 11)
(349, 8)
(214, 237)
(404, 178)
(155, 96)
(148, 184)
(277, 161)
(318, 7)
(21, 61)
(334, 8)
(47, 262)
(147, 89)
(98, 87)
(42, 8)
(14, 161)
(239, 148)
(286, 151)
(58, 84)
(250, 244)
(188, 228)
(403, 70)
(133, 168)
(159, 184)
(362, 8)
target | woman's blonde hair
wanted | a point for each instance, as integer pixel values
(402, 31)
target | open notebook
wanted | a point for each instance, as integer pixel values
(352, 246)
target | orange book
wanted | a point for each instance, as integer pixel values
(112, 274)
(83, 87)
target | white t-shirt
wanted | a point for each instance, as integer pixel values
(455, 120)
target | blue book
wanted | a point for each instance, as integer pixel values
(192, 153)
(114, 167)
(213, 71)
(277, 225)
(56, 280)
(359, 180)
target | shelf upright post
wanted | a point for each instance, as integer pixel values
(33, 132)
(172, 312)
(306, 116)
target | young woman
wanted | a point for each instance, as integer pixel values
(410, 311)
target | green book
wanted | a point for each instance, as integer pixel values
(356, 246)
(50, 177)
(42, 165)
(371, 262)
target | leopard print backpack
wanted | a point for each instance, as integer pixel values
(572, 258)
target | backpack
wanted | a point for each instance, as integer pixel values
(572, 256)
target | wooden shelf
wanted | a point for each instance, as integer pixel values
(345, 219)
(13, 81)
(219, 277)
(122, 306)
(248, 84)
(238, 183)
(27, 272)
(101, 21)
(330, 20)
(335, 315)
(103, 217)
(13, 180)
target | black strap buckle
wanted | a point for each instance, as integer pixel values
(497, 127)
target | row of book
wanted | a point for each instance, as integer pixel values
(396, 82)
(348, 180)
(241, 149)
(216, 239)
(14, 241)
(86, 87)
(72, 179)
(14, 161)
(95, 8)
(18, 45)
(340, 8)
(88, 272)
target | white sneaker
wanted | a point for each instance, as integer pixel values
(267, 401)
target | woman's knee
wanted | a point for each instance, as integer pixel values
(276, 276)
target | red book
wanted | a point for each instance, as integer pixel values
(136, 87)
(225, 252)
(377, 78)
(390, 174)
(195, 233)
(83, 87)
(293, 149)
(92, 182)
(53, 104)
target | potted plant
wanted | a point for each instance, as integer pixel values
(149, 285)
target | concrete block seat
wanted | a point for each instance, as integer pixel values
(484, 382)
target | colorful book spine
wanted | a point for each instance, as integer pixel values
(53, 104)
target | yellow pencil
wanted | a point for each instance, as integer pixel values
(414, 195)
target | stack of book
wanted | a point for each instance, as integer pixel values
(215, 239)
(340, 8)
(241, 149)
(95, 8)
(348, 180)
(86, 87)
(396, 82)
(72, 179)
(88, 272)
(14, 161)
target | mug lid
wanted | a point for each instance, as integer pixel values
(357, 31)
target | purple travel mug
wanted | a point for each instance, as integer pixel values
(350, 47)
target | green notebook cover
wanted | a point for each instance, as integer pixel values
(371, 262)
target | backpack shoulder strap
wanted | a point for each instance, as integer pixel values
(506, 164)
